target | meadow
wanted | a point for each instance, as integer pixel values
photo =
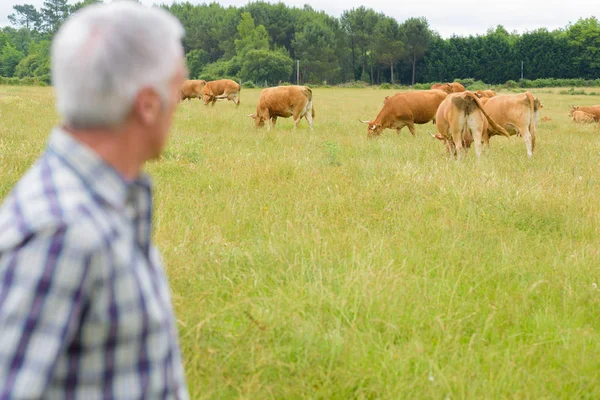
(325, 265)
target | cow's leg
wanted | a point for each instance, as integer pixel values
(475, 123)
(528, 138)
(309, 119)
(457, 128)
(411, 128)
(236, 98)
(213, 101)
(274, 121)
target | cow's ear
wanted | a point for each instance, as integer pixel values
(439, 136)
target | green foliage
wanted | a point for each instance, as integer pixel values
(266, 65)
(385, 86)
(359, 45)
(249, 85)
(9, 59)
(196, 60)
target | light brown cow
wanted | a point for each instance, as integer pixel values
(457, 87)
(593, 110)
(485, 93)
(517, 114)
(581, 117)
(445, 87)
(221, 89)
(285, 102)
(406, 109)
(461, 120)
(192, 89)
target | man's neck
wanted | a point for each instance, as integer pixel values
(115, 147)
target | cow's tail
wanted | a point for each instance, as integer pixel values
(531, 118)
(495, 127)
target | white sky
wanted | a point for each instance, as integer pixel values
(448, 17)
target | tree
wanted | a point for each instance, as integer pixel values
(389, 47)
(79, 5)
(250, 37)
(417, 38)
(9, 59)
(54, 13)
(196, 60)
(359, 24)
(26, 16)
(314, 46)
(266, 65)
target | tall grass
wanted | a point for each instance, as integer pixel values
(325, 265)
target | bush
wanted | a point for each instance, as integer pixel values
(476, 85)
(385, 86)
(249, 85)
(421, 86)
(466, 82)
(354, 85)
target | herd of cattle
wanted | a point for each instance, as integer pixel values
(461, 117)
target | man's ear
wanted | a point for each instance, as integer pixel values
(147, 106)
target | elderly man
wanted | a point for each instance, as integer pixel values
(85, 309)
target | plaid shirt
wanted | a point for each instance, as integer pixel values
(85, 308)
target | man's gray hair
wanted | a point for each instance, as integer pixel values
(104, 54)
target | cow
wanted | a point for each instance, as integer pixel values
(406, 109)
(192, 89)
(221, 89)
(457, 87)
(461, 120)
(593, 110)
(285, 102)
(518, 114)
(445, 87)
(581, 117)
(485, 93)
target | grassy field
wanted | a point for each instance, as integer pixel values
(325, 265)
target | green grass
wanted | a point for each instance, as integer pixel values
(325, 265)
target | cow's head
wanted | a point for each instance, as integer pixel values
(573, 109)
(259, 122)
(373, 129)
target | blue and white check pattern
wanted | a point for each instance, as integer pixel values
(85, 307)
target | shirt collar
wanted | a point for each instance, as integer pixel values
(97, 175)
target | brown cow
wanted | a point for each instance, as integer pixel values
(517, 114)
(406, 109)
(284, 101)
(445, 87)
(457, 87)
(461, 119)
(221, 89)
(485, 93)
(581, 117)
(192, 89)
(593, 110)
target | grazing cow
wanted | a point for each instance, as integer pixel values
(285, 102)
(445, 87)
(593, 110)
(457, 87)
(485, 93)
(517, 114)
(221, 89)
(581, 117)
(462, 119)
(192, 89)
(406, 109)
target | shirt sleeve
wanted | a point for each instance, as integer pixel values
(44, 286)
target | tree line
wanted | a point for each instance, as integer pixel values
(260, 42)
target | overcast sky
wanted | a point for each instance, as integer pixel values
(448, 17)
